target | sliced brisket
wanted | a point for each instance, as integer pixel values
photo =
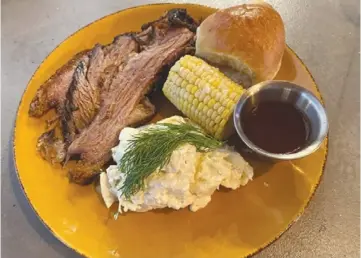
(84, 94)
(83, 172)
(133, 82)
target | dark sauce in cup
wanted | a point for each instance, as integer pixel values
(276, 127)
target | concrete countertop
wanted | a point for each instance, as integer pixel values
(324, 33)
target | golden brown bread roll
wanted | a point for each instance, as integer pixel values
(249, 38)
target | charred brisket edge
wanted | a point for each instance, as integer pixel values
(45, 141)
(46, 135)
(42, 91)
(50, 134)
(177, 17)
(85, 180)
(180, 17)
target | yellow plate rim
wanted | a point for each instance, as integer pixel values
(68, 245)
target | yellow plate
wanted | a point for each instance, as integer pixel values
(235, 223)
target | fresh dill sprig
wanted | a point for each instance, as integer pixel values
(152, 148)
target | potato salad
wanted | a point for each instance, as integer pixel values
(188, 178)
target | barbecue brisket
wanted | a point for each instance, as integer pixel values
(95, 142)
(103, 90)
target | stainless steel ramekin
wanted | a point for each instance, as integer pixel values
(285, 91)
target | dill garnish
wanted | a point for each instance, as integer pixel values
(152, 149)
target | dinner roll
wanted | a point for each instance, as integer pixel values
(249, 38)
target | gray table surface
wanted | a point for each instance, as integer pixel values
(324, 33)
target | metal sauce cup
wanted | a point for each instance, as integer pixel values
(284, 91)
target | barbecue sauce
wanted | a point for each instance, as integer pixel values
(276, 127)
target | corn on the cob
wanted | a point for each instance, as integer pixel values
(203, 93)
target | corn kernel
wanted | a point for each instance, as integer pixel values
(194, 89)
(189, 87)
(207, 88)
(192, 79)
(189, 77)
(202, 96)
(202, 84)
(197, 82)
(222, 123)
(199, 72)
(205, 109)
(190, 98)
(186, 95)
(230, 104)
(211, 80)
(225, 113)
(207, 98)
(233, 96)
(211, 124)
(198, 92)
(181, 70)
(176, 67)
(178, 81)
(184, 84)
(218, 96)
(220, 110)
(211, 103)
(214, 115)
(208, 120)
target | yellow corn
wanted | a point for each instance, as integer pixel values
(203, 94)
